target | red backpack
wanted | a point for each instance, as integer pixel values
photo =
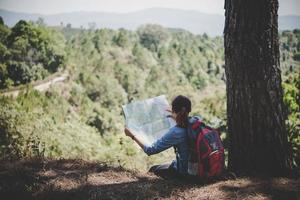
(206, 151)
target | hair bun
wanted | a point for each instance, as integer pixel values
(181, 103)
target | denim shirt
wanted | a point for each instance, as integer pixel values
(176, 137)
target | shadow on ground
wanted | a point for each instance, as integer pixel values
(77, 179)
(261, 188)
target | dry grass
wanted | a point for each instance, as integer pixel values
(77, 179)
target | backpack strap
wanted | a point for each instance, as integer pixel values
(177, 157)
(200, 164)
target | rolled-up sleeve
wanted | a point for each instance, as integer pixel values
(168, 140)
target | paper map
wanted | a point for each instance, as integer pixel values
(148, 119)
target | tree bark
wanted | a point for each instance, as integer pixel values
(256, 119)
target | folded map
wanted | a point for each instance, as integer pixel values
(147, 119)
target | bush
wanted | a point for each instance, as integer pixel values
(292, 103)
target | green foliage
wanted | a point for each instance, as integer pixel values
(31, 126)
(292, 101)
(290, 65)
(121, 39)
(296, 57)
(153, 36)
(29, 52)
(109, 68)
(290, 50)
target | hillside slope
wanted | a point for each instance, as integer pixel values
(77, 179)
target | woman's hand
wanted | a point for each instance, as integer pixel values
(128, 132)
(172, 114)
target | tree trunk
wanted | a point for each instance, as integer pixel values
(256, 119)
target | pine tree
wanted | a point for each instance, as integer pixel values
(255, 112)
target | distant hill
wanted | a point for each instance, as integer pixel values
(194, 21)
(289, 22)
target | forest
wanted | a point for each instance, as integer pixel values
(109, 68)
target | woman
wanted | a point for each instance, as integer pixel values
(176, 137)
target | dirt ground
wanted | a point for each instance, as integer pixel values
(77, 179)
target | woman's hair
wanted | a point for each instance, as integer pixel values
(181, 105)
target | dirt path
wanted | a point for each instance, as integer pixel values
(76, 179)
(42, 85)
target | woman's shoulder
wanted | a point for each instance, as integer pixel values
(177, 132)
(177, 129)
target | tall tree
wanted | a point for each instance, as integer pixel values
(255, 113)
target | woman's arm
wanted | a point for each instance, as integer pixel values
(170, 139)
(129, 134)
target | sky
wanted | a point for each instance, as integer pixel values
(286, 7)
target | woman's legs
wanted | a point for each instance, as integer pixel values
(165, 171)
